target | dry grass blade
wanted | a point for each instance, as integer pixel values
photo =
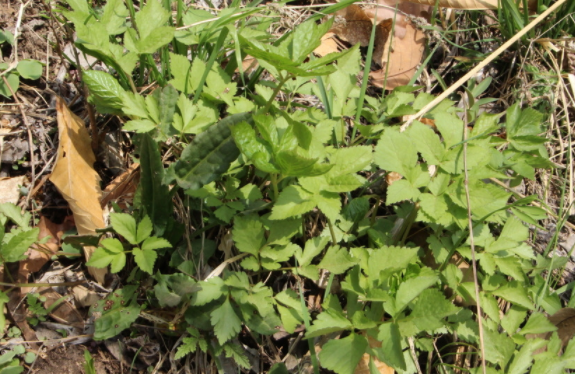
(480, 66)
(466, 4)
(74, 176)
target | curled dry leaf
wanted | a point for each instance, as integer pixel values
(122, 187)
(38, 255)
(75, 178)
(564, 319)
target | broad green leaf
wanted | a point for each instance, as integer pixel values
(248, 234)
(412, 287)
(145, 258)
(153, 243)
(114, 322)
(450, 127)
(515, 293)
(114, 17)
(140, 126)
(337, 260)
(167, 99)
(427, 315)
(391, 345)
(209, 155)
(144, 229)
(293, 201)
(125, 225)
(226, 322)
(150, 17)
(29, 69)
(522, 359)
(350, 160)
(427, 143)
(291, 163)
(18, 245)
(343, 355)
(537, 324)
(111, 253)
(14, 213)
(513, 319)
(327, 322)
(210, 289)
(329, 203)
(159, 38)
(395, 152)
(485, 198)
(394, 258)
(312, 248)
(523, 122)
(134, 105)
(156, 199)
(105, 91)
(401, 190)
(498, 347)
(13, 82)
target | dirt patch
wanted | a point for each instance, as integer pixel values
(70, 360)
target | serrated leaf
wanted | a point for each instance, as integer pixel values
(153, 243)
(515, 293)
(343, 355)
(145, 258)
(450, 127)
(327, 322)
(209, 155)
(144, 229)
(248, 234)
(112, 255)
(226, 322)
(412, 287)
(401, 190)
(522, 359)
(391, 345)
(538, 324)
(18, 245)
(105, 91)
(350, 160)
(337, 260)
(395, 152)
(312, 248)
(293, 201)
(141, 126)
(427, 143)
(125, 225)
(115, 321)
(210, 289)
(14, 213)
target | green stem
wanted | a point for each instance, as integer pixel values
(276, 92)
(274, 178)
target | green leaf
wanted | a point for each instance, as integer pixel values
(429, 310)
(248, 234)
(156, 199)
(210, 290)
(450, 127)
(350, 160)
(485, 198)
(293, 201)
(412, 287)
(153, 243)
(150, 17)
(391, 345)
(343, 355)
(327, 322)
(114, 322)
(537, 324)
(141, 126)
(125, 225)
(401, 190)
(337, 260)
(390, 258)
(18, 245)
(15, 214)
(209, 155)
(134, 105)
(515, 293)
(144, 229)
(30, 69)
(395, 152)
(105, 91)
(111, 253)
(312, 248)
(522, 359)
(226, 322)
(145, 258)
(427, 143)
(161, 37)
(13, 83)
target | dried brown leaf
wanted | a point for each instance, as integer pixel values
(467, 4)
(74, 176)
(328, 45)
(9, 190)
(123, 186)
(363, 365)
(564, 319)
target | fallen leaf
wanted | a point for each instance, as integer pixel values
(564, 319)
(85, 297)
(363, 365)
(123, 186)
(75, 178)
(9, 190)
(63, 312)
(328, 45)
(39, 254)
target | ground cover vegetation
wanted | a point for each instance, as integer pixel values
(275, 208)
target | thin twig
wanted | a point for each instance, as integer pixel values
(480, 66)
(414, 354)
(472, 245)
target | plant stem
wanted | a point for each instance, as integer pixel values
(274, 180)
(276, 92)
(472, 245)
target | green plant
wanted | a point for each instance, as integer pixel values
(301, 195)
(10, 73)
